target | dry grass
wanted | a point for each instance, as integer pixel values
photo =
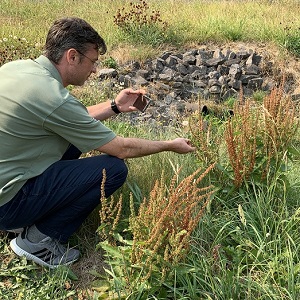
(91, 261)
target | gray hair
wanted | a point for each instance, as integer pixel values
(67, 33)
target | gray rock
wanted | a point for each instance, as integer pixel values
(139, 81)
(174, 80)
(252, 70)
(230, 93)
(189, 59)
(255, 84)
(107, 73)
(215, 89)
(235, 71)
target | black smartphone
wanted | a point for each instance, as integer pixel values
(142, 102)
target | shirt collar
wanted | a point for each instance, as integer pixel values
(47, 64)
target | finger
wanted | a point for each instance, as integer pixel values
(140, 91)
(133, 108)
(190, 144)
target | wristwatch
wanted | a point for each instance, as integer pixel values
(114, 107)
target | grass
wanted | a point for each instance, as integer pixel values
(189, 22)
(257, 250)
(246, 245)
(21, 280)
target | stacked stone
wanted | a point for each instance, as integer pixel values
(177, 80)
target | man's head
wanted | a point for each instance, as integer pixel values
(67, 33)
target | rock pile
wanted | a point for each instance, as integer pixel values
(177, 80)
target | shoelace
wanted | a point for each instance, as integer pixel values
(55, 246)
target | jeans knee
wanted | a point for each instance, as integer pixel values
(120, 169)
(116, 175)
(124, 169)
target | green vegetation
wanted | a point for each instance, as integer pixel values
(153, 23)
(219, 224)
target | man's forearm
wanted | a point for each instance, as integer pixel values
(101, 111)
(135, 147)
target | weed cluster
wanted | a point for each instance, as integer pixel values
(241, 140)
(165, 222)
(110, 214)
(137, 17)
(161, 234)
(206, 135)
(140, 24)
(281, 125)
(257, 139)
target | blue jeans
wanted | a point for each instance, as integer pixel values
(61, 198)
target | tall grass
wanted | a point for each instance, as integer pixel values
(252, 253)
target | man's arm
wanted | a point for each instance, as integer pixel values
(124, 102)
(135, 147)
(101, 111)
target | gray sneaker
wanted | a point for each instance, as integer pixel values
(48, 252)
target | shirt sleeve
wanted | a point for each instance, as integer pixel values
(72, 122)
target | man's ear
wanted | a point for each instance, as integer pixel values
(72, 56)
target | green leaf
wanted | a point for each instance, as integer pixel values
(221, 168)
(294, 150)
(111, 250)
(119, 238)
(100, 286)
(69, 273)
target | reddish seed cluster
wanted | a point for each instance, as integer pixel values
(138, 15)
(165, 221)
(257, 139)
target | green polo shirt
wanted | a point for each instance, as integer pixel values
(39, 118)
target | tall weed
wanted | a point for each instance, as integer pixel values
(142, 25)
(161, 232)
(257, 139)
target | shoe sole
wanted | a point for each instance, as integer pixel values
(20, 252)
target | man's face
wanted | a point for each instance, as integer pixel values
(86, 65)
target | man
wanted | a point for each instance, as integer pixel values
(44, 187)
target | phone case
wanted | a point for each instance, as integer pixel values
(142, 102)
